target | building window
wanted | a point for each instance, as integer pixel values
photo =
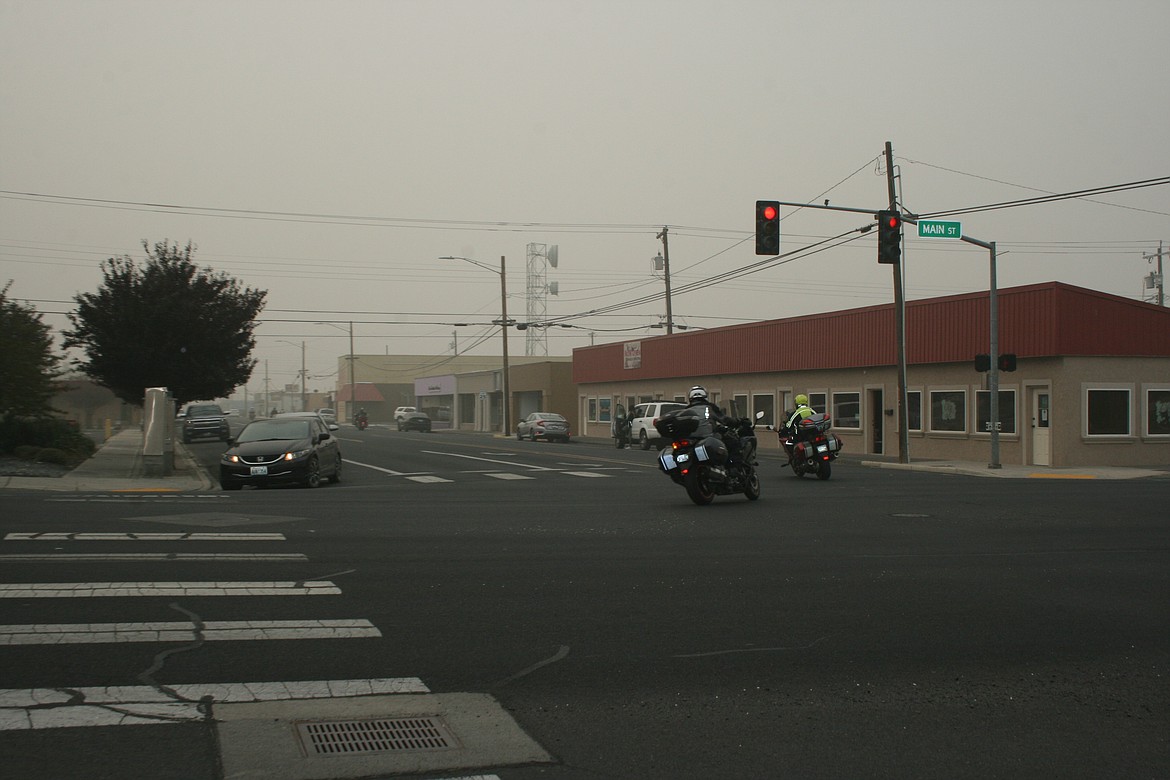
(592, 410)
(914, 410)
(767, 405)
(818, 401)
(1007, 411)
(1158, 412)
(948, 411)
(603, 410)
(1107, 412)
(739, 406)
(846, 410)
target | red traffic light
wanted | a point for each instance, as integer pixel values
(894, 221)
(769, 212)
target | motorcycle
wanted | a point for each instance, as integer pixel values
(706, 458)
(361, 421)
(811, 446)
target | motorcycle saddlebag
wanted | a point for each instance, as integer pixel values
(711, 450)
(820, 422)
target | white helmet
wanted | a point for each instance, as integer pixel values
(697, 393)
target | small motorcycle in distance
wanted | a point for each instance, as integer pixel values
(620, 428)
(703, 462)
(811, 446)
(361, 421)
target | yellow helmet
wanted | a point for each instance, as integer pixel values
(802, 400)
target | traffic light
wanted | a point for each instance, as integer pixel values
(767, 227)
(982, 362)
(889, 237)
(1007, 362)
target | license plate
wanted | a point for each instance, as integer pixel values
(683, 458)
(823, 448)
(259, 471)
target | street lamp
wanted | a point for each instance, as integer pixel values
(505, 427)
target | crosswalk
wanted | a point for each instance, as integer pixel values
(64, 707)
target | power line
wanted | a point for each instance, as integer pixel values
(1051, 198)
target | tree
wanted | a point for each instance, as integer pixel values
(28, 367)
(166, 323)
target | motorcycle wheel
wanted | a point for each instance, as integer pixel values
(697, 488)
(620, 443)
(825, 470)
(752, 491)
(797, 470)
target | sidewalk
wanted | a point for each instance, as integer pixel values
(1018, 471)
(117, 466)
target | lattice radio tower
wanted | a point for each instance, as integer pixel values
(540, 257)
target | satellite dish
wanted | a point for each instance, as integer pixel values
(553, 251)
(553, 288)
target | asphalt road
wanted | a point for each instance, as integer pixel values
(881, 624)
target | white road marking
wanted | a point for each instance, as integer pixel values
(168, 631)
(586, 474)
(43, 708)
(138, 557)
(168, 589)
(428, 478)
(153, 536)
(511, 463)
(507, 475)
(375, 468)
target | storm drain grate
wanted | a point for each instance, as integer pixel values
(386, 735)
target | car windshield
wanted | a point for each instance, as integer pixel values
(549, 416)
(194, 410)
(265, 430)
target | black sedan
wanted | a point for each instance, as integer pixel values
(543, 425)
(295, 449)
(414, 421)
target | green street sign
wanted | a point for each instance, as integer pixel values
(934, 228)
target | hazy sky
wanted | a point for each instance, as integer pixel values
(330, 152)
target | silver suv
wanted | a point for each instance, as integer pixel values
(642, 419)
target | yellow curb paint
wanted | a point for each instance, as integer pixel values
(1061, 476)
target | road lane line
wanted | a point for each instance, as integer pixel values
(510, 463)
(178, 631)
(168, 589)
(153, 536)
(135, 705)
(139, 557)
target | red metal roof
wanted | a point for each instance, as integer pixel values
(1034, 321)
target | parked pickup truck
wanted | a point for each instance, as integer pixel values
(199, 421)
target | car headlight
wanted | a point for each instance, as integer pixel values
(230, 458)
(298, 454)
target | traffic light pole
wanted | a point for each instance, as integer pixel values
(899, 322)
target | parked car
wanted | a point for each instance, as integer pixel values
(415, 421)
(330, 424)
(642, 419)
(543, 425)
(199, 421)
(293, 448)
(329, 415)
(402, 411)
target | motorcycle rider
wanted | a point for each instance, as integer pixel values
(697, 396)
(360, 417)
(803, 412)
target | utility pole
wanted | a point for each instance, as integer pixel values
(351, 410)
(304, 402)
(899, 319)
(666, 273)
(505, 429)
(1156, 280)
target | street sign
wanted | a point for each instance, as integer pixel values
(935, 228)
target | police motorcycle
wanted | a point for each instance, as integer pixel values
(810, 445)
(698, 457)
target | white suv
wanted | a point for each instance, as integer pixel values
(402, 411)
(642, 419)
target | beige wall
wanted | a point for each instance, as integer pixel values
(1067, 378)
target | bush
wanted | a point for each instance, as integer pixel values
(26, 437)
(53, 455)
